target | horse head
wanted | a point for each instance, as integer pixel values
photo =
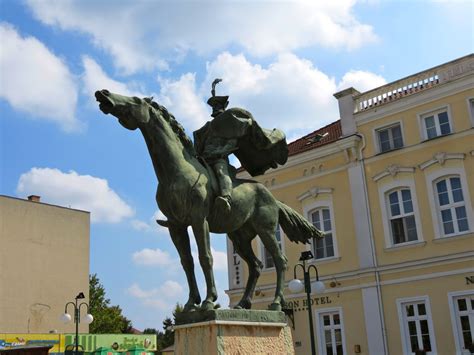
(130, 111)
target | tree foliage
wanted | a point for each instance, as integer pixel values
(107, 318)
(165, 338)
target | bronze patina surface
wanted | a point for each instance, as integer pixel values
(188, 190)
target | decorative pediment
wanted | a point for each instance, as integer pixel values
(393, 170)
(440, 158)
(314, 192)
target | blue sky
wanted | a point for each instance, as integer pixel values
(282, 61)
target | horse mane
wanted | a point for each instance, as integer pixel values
(177, 128)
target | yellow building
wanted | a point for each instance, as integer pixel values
(392, 185)
(44, 263)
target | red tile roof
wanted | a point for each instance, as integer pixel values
(305, 143)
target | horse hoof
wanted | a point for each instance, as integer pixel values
(243, 305)
(207, 306)
(274, 307)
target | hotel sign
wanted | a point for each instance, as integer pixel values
(301, 305)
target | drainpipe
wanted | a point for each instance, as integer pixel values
(372, 245)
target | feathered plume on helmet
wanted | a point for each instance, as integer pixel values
(217, 100)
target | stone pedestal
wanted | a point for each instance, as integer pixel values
(232, 332)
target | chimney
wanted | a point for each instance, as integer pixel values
(345, 99)
(34, 198)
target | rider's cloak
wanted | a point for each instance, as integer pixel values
(236, 131)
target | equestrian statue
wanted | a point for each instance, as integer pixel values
(198, 187)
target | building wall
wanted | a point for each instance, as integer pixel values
(44, 263)
(373, 280)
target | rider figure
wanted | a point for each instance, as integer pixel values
(218, 148)
(234, 130)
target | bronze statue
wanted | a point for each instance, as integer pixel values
(186, 195)
(235, 131)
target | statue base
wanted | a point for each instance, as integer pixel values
(232, 331)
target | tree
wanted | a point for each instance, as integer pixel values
(107, 318)
(150, 331)
(165, 338)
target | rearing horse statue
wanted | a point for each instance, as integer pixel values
(186, 192)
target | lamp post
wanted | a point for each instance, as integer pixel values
(66, 317)
(297, 286)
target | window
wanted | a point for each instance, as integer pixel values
(471, 109)
(323, 247)
(402, 217)
(390, 138)
(267, 257)
(331, 333)
(417, 329)
(451, 206)
(436, 124)
(463, 309)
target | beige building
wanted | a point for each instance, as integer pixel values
(44, 263)
(392, 186)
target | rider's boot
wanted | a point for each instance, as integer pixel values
(223, 202)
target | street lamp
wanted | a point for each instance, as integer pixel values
(296, 286)
(66, 317)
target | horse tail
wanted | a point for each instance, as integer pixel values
(295, 226)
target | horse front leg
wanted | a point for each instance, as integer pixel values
(201, 233)
(179, 235)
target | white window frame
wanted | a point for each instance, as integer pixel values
(457, 331)
(320, 328)
(262, 251)
(404, 332)
(470, 109)
(376, 136)
(435, 112)
(451, 206)
(431, 179)
(403, 214)
(321, 203)
(384, 190)
(331, 220)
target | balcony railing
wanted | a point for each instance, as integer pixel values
(414, 84)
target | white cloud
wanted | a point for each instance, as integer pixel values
(148, 34)
(151, 225)
(154, 257)
(289, 93)
(157, 297)
(94, 78)
(361, 80)
(180, 98)
(220, 260)
(35, 81)
(70, 189)
(140, 225)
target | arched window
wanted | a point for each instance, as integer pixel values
(402, 216)
(451, 205)
(323, 247)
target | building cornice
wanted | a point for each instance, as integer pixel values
(393, 170)
(440, 158)
(314, 192)
(419, 146)
(405, 266)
